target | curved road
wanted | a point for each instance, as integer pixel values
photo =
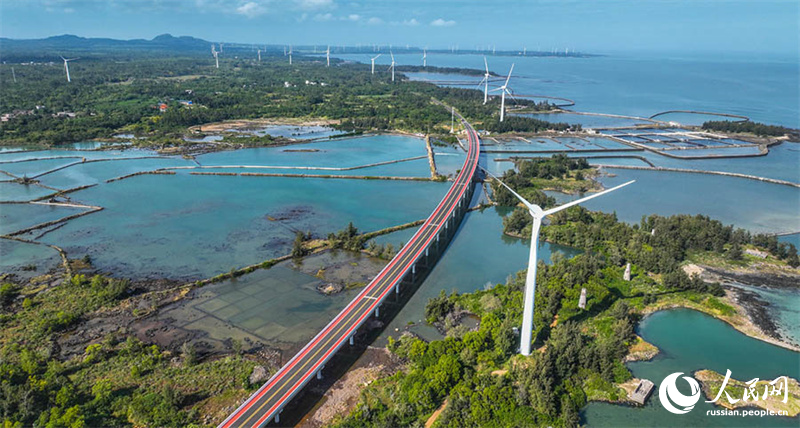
(266, 403)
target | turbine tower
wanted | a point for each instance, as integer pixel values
(392, 66)
(485, 82)
(503, 91)
(373, 62)
(216, 54)
(425, 58)
(530, 280)
(290, 54)
(259, 55)
(66, 66)
(328, 56)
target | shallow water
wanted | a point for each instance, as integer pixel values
(14, 217)
(10, 191)
(200, 226)
(690, 341)
(16, 255)
(754, 205)
(643, 85)
(464, 269)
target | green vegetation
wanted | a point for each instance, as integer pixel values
(109, 97)
(531, 177)
(749, 127)
(580, 351)
(118, 381)
(347, 239)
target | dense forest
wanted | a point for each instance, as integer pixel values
(749, 127)
(109, 97)
(580, 352)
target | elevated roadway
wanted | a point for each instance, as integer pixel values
(266, 404)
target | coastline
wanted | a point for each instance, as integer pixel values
(742, 320)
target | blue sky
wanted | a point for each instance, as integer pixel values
(592, 26)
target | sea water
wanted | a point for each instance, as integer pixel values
(688, 341)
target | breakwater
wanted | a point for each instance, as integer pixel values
(701, 171)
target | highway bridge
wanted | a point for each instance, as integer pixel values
(266, 404)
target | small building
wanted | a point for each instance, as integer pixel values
(186, 102)
(162, 107)
(627, 276)
(582, 300)
(756, 253)
(642, 391)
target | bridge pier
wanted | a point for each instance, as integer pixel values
(278, 416)
(352, 341)
(319, 372)
(378, 311)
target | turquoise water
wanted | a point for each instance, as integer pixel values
(101, 154)
(586, 121)
(14, 217)
(98, 172)
(10, 191)
(691, 341)
(192, 227)
(754, 205)
(479, 255)
(16, 255)
(334, 153)
(784, 303)
(764, 90)
(36, 167)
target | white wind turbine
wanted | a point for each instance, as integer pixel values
(215, 54)
(373, 62)
(66, 66)
(503, 91)
(425, 57)
(290, 54)
(485, 82)
(530, 280)
(328, 56)
(259, 55)
(391, 67)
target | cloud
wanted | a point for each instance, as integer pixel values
(251, 9)
(442, 23)
(323, 17)
(315, 4)
(353, 17)
(374, 21)
(411, 22)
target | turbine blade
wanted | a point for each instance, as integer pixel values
(509, 75)
(582, 200)
(531, 207)
(486, 63)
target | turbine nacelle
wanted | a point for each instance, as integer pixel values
(530, 279)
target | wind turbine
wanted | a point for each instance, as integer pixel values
(290, 54)
(328, 56)
(259, 55)
(215, 54)
(530, 280)
(485, 82)
(373, 62)
(425, 58)
(391, 67)
(66, 66)
(503, 91)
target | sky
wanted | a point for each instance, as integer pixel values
(595, 26)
